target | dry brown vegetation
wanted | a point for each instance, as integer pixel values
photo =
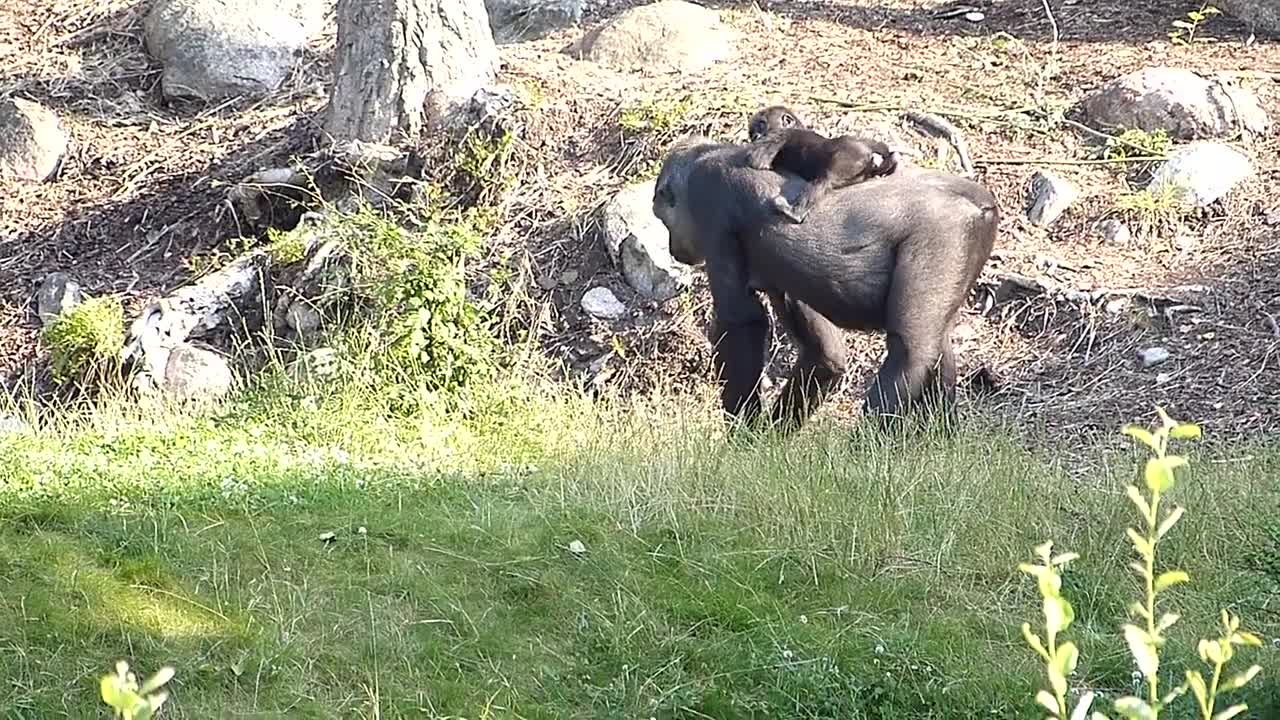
(135, 209)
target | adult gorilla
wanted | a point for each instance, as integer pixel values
(897, 253)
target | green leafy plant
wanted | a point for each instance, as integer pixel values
(1153, 212)
(132, 701)
(1145, 641)
(86, 338)
(416, 284)
(1184, 32)
(286, 248)
(1060, 659)
(1136, 142)
(486, 159)
(1146, 637)
(660, 116)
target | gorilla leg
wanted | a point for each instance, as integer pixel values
(821, 363)
(940, 392)
(900, 380)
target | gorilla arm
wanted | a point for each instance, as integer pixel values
(741, 330)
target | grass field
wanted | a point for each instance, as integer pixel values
(321, 556)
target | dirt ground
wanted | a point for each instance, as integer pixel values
(135, 209)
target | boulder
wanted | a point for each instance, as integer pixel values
(1262, 15)
(638, 245)
(32, 141)
(227, 48)
(516, 20)
(194, 373)
(1202, 172)
(1184, 104)
(664, 36)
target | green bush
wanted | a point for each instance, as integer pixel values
(424, 326)
(85, 338)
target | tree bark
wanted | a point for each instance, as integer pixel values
(399, 61)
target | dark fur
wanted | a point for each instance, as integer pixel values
(899, 255)
(782, 142)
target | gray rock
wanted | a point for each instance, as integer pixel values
(515, 20)
(303, 318)
(1261, 14)
(319, 287)
(57, 294)
(638, 245)
(602, 303)
(663, 36)
(227, 48)
(1049, 195)
(316, 364)
(1153, 356)
(32, 141)
(12, 425)
(1115, 232)
(215, 308)
(1186, 105)
(1201, 172)
(193, 373)
(1118, 305)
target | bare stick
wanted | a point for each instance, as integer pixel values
(940, 127)
(1064, 161)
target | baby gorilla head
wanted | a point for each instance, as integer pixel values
(772, 119)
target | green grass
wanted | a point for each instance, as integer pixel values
(835, 575)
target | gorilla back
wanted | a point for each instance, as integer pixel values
(897, 253)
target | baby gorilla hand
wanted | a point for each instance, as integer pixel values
(761, 156)
(795, 214)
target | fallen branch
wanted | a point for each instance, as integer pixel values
(1065, 161)
(990, 115)
(1106, 136)
(1002, 283)
(941, 128)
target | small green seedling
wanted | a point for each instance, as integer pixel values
(1186, 29)
(1060, 660)
(131, 701)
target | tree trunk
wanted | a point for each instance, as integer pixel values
(399, 59)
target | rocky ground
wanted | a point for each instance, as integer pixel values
(1084, 328)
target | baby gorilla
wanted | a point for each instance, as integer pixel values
(782, 142)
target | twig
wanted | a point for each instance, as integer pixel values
(1052, 22)
(1106, 136)
(965, 113)
(1271, 323)
(1064, 161)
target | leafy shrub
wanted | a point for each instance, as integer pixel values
(1146, 637)
(423, 323)
(85, 338)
